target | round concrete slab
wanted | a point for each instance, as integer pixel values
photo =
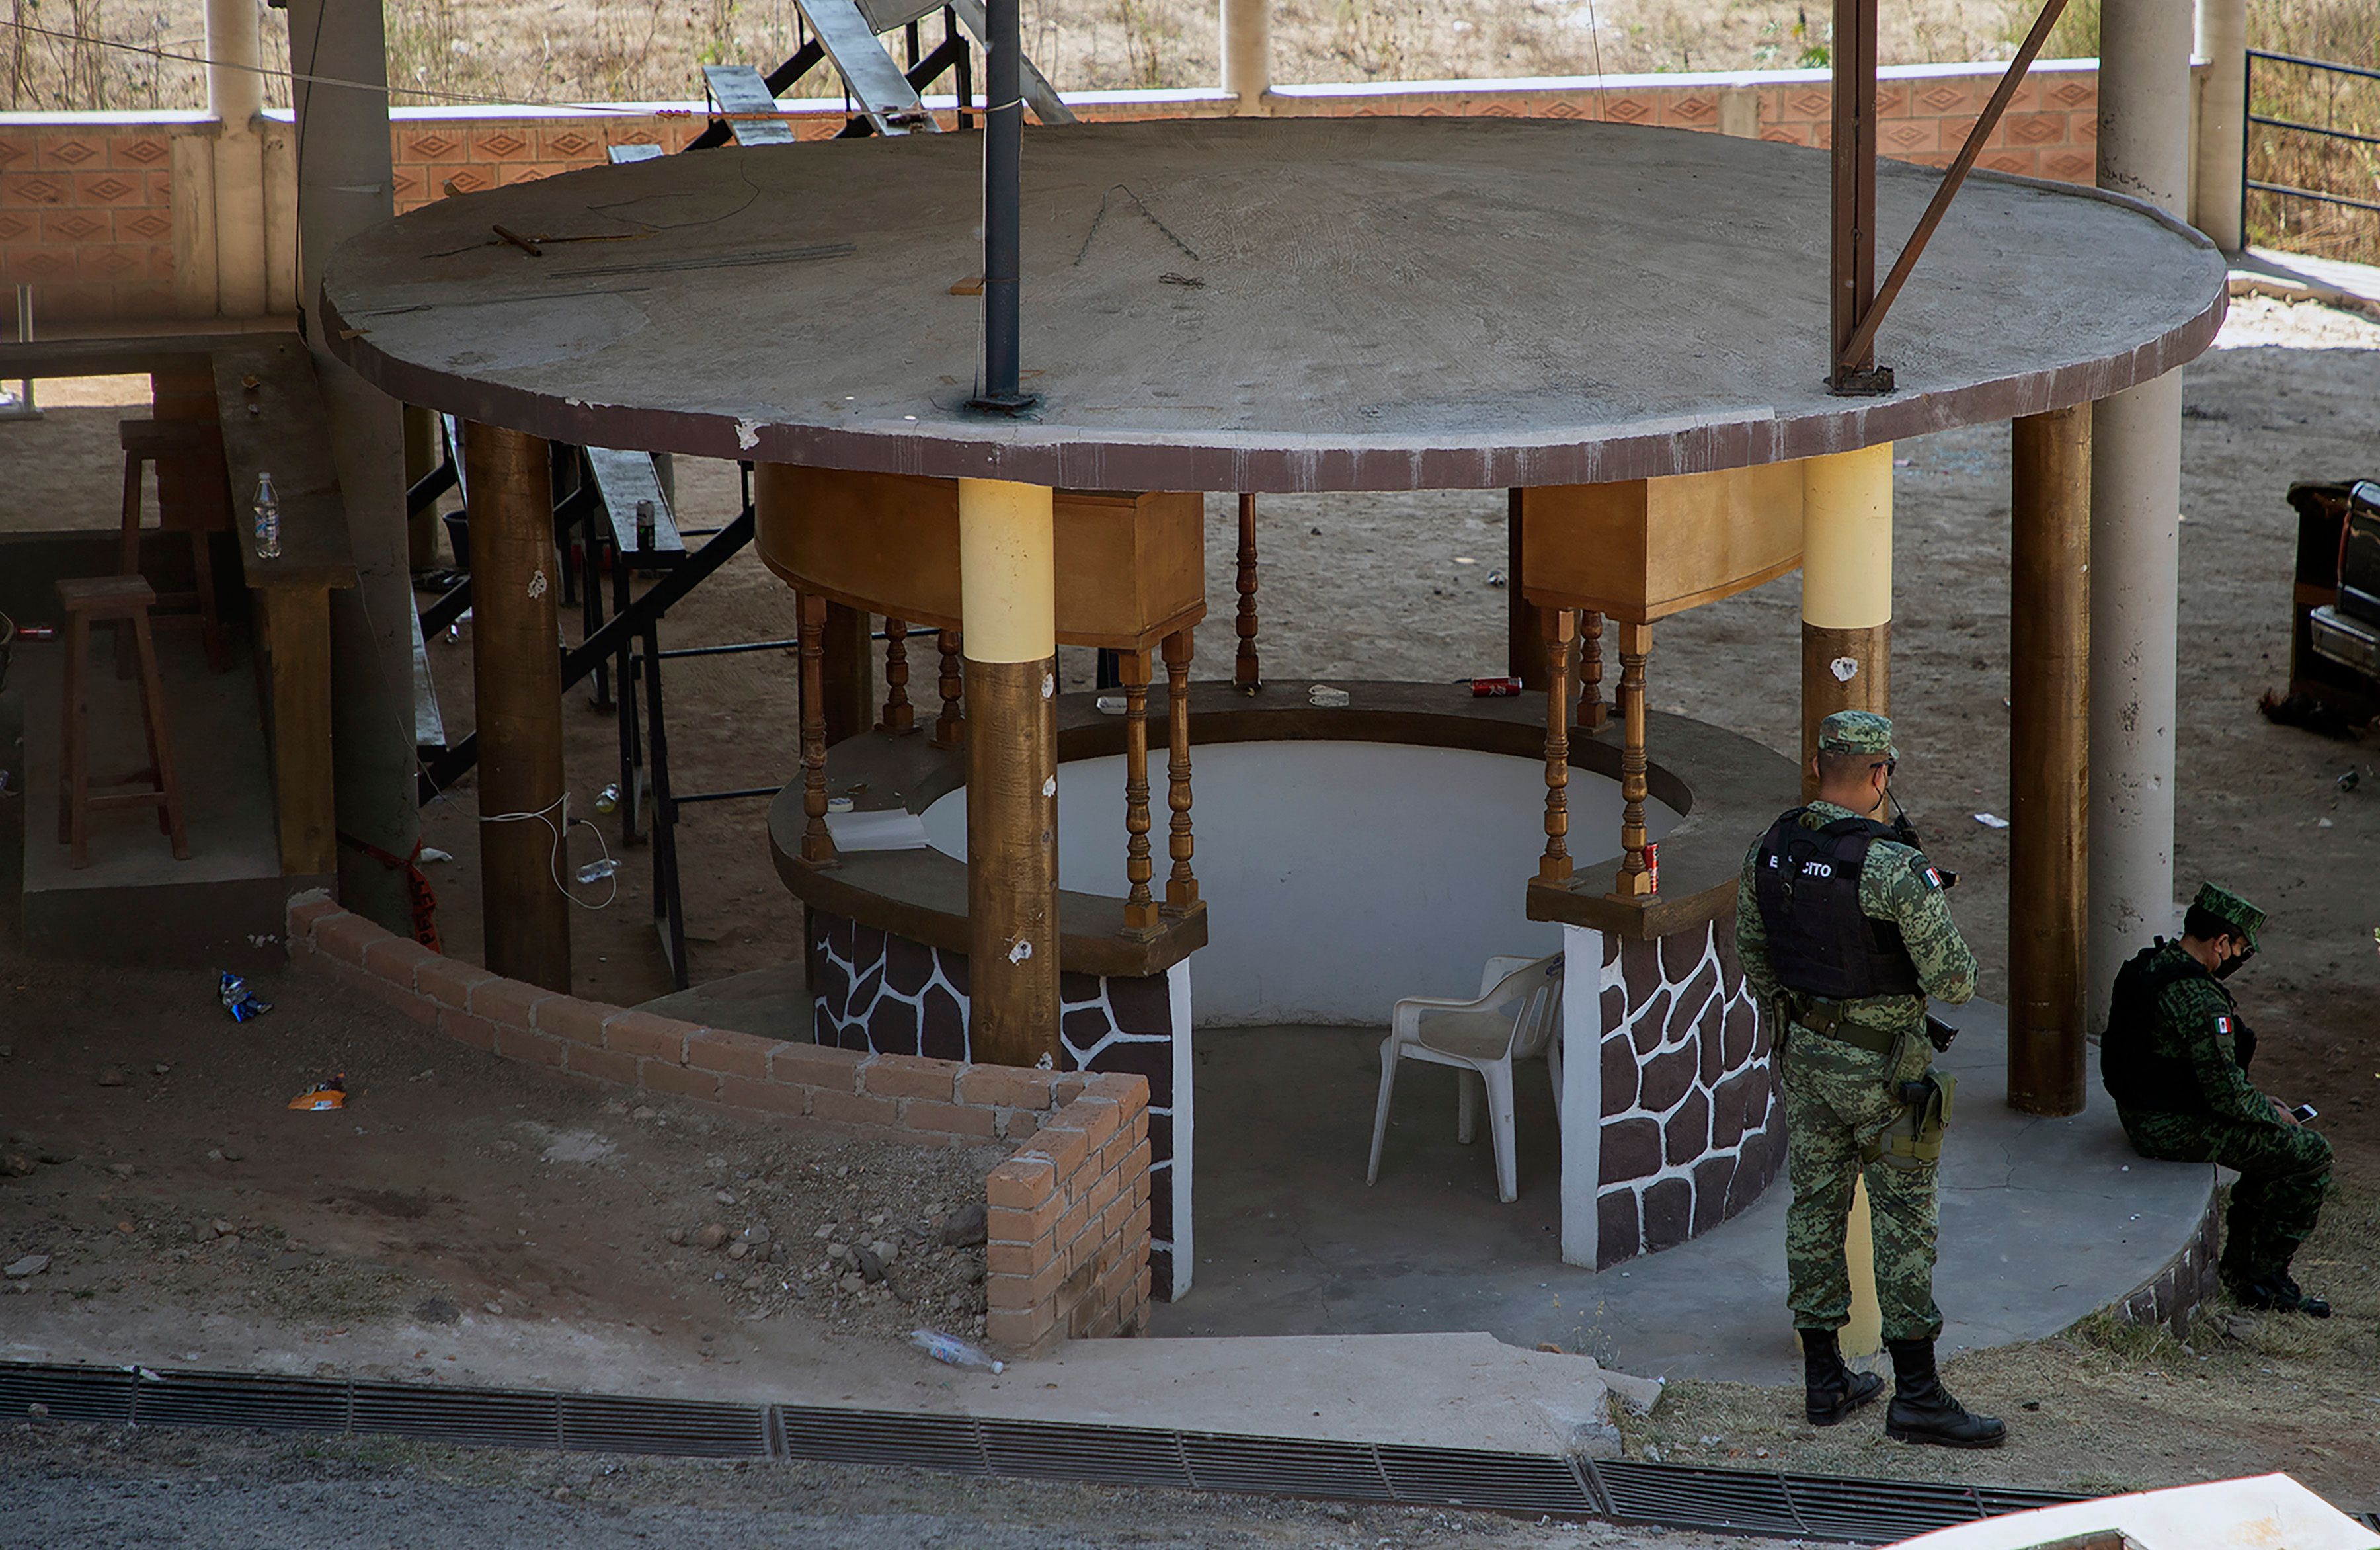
(1259, 305)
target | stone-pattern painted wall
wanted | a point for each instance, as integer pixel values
(877, 991)
(1691, 1128)
(89, 201)
(2188, 1281)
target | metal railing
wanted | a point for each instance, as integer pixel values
(2250, 183)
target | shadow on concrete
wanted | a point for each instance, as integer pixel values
(2043, 1221)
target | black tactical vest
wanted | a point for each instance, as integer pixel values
(1806, 881)
(2134, 1073)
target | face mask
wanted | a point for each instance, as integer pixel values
(2233, 965)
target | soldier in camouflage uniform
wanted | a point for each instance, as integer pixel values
(1844, 933)
(2176, 1061)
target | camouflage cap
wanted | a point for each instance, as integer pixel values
(2228, 906)
(1856, 732)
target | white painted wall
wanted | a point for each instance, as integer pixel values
(1338, 876)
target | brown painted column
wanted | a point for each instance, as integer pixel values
(1008, 602)
(1846, 590)
(516, 674)
(1554, 865)
(1636, 880)
(849, 672)
(2049, 758)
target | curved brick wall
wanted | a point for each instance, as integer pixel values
(1068, 1215)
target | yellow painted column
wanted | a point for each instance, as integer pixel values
(1847, 666)
(1846, 587)
(1007, 613)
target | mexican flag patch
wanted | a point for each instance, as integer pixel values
(2222, 1024)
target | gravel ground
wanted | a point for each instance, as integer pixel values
(67, 1488)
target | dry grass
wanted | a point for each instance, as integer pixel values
(608, 50)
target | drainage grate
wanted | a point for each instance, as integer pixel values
(1668, 1495)
(252, 1401)
(100, 1396)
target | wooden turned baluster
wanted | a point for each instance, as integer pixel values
(1139, 907)
(950, 729)
(1244, 675)
(1182, 887)
(1559, 624)
(899, 714)
(1594, 715)
(818, 847)
(1636, 644)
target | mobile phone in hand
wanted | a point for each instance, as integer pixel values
(2304, 1113)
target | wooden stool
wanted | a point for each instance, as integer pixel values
(123, 600)
(193, 497)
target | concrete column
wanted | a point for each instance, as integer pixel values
(190, 174)
(2222, 122)
(516, 676)
(1247, 53)
(2049, 757)
(1846, 587)
(341, 151)
(280, 217)
(236, 97)
(1008, 610)
(2135, 518)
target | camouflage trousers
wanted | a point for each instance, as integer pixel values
(2283, 1176)
(1838, 1101)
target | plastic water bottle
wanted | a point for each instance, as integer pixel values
(951, 1348)
(595, 871)
(268, 519)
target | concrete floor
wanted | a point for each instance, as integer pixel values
(2043, 1221)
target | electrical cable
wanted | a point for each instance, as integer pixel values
(561, 833)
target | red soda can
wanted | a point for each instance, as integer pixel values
(37, 632)
(1494, 688)
(1653, 864)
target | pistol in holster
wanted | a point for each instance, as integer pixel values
(1915, 1138)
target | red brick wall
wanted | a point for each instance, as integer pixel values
(1069, 1221)
(1084, 1271)
(87, 213)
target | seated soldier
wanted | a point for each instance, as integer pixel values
(2176, 1061)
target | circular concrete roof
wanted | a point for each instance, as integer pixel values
(1259, 305)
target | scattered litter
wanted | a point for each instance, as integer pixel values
(1991, 821)
(2351, 780)
(837, 804)
(1494, 688)
(238, 999)
(608, 800)
(1465, 559)
(1496, 579)
(1844, 668)
(595, 871)
(32, 1265)
(1111, 704)
(144, 1374)
(331, 1094)
(1325, 697)
(945, 1347)
(2324, 823)
(431, 855)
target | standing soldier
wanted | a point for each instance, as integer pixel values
(2176, 1061)
(1844, 933)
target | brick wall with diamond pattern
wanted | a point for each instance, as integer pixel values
(87, 200)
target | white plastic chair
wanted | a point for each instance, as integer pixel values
(1516, 1015)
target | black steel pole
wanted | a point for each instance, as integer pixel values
(1003, 137)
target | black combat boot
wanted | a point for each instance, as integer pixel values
(1924, 1412)
(1834, 1391)
(2279, 1294)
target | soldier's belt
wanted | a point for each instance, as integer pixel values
(1828, 1020)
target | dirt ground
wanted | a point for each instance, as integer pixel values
(146, 1150)
(63, 1485)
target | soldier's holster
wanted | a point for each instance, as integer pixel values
(1914, 1139)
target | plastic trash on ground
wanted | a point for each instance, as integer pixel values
(957, 1352)
(331, 1094)
(595, 871)
(238, 999)
(607, 801)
